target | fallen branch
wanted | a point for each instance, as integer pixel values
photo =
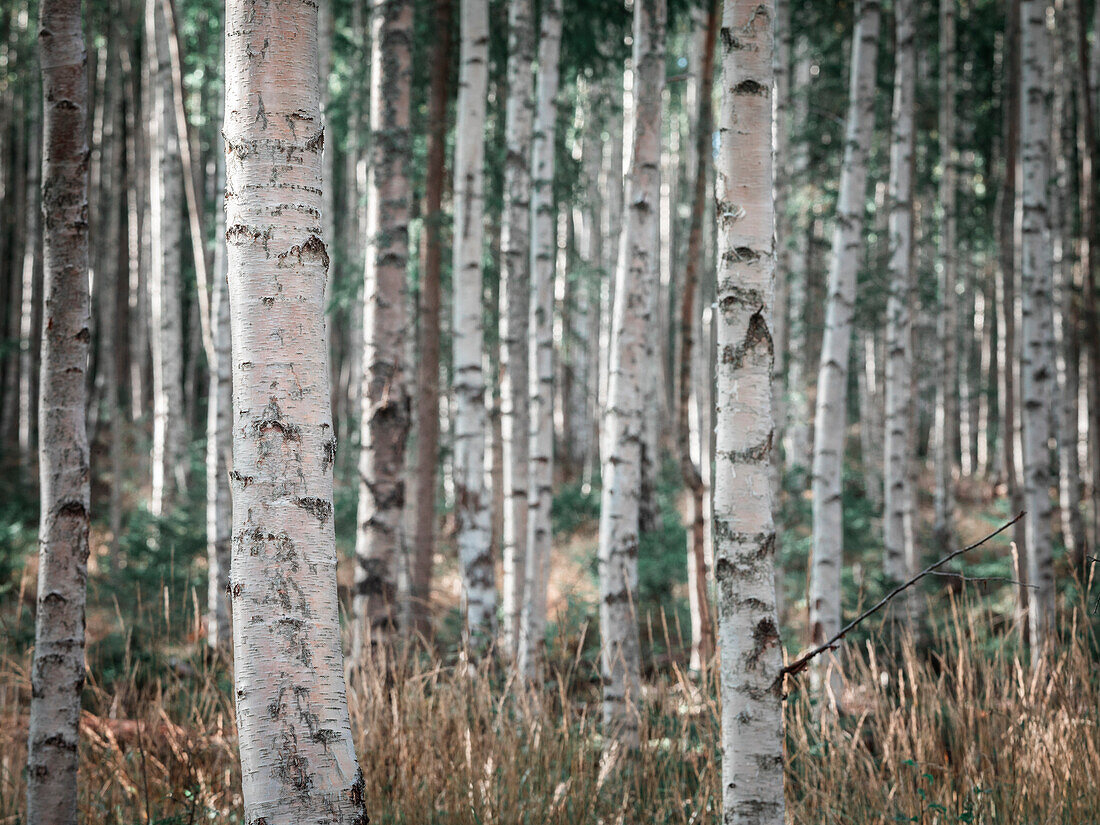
(800, 664)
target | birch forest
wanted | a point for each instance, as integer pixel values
(489, 412)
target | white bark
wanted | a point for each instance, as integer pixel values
(515, 289)
(297, 755)
(540, 467)
(219, 448)
(1037, 334)
(900, 560)
(471, 496)
(744, 533)
(636, 280)
(832, 385)
(57, 671)
(166, 198)
(385, 411)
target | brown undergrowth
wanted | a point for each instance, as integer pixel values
(962, 732)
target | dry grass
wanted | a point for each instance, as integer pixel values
(965, 733)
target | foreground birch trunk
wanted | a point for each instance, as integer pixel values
(1037, 334)
(515, 289)
(744, 532)
(297, 756)
(386, 404)
(57, 672)
(540, 473)
(636, 280)
(832, 383)
(471, 497)
(900, 559)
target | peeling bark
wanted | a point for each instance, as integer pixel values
(744, 528)
(297, 755)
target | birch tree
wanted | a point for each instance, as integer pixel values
(297, 755)
(515, 300)
(385, 411)
(947, 401)
(900, 558)
(830, 418)
(429, 311)
(219, 447)
(744, 531)
(1037, 334)
(57, 670)
(636, 279)
(540, 473)
(702, 632)
(165, 199)
(471, 497)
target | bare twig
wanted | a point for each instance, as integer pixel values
(800, 664)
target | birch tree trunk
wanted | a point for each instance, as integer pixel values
(900, 561)
(540, 472)
(702, 629)
(166, 197)
(1036, 360)
(57, 671)
(427, 377)
(1067, 307)
(515, 300)
(219, 446)
(386, 404)
(471, 496)
(297, 755)
(748, 635)
(832, 382)
(947, 400)
(636, 279)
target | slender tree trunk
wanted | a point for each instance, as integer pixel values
(471, 496)
(702, 629)
(515, 288)
(540, 472)
(386, 405)
(219, 445)
(1067, 325)
(166, 196)
(31, 294)
(1006, 285)
(57, 672)
(832, 384)
(427, 378)
(1089, 151)
(612, 186)
(637, 276)
(947, 400)
(872, 416)
(752, 708)
(797, 448)
(901, 559)
(1036, 361)
(297, 755)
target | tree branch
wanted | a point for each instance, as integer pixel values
(800, 664)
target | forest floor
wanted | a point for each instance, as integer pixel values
(958, 728)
